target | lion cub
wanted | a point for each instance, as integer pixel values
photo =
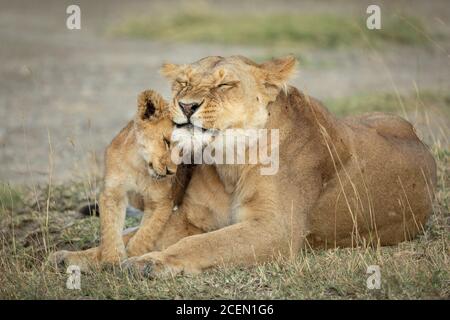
(138, 161)
(137, 167)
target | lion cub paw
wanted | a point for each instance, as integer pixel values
(137, 248)
(112, 256)
(63, 259)
(58, 259)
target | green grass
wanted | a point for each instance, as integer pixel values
(390, 102)
(10, 197)
(288, 30)
(47, 220)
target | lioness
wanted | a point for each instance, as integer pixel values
(341, 182)
(137, 164)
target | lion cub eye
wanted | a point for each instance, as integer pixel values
(166, 142)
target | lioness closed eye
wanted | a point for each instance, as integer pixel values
(136, 162)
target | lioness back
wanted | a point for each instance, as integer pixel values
(383, 192)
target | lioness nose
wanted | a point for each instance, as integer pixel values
(189, 108)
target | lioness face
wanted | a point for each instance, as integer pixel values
(153, 130)
(222, 93)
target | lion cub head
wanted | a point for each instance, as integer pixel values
(153, 130)
(223, 93)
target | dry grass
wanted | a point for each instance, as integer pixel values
(35, 221)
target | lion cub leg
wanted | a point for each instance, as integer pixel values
(88, 259)
(112, 202)
(156, 214)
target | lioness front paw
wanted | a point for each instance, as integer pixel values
(150, 265)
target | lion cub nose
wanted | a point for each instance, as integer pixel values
(189, 108)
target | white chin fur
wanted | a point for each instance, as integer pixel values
(190, 138)
(180, 119)
(196, 121)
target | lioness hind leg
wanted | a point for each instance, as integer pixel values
(388, 125)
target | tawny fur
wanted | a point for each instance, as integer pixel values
(341, 182)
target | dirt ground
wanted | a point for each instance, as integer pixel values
(65, 93)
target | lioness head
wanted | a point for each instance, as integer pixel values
(222, 93)
(153, 130)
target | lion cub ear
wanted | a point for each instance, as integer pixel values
(150, 105)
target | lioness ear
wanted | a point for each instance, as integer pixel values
(278, 71)
(219, 75)
(150, 105)
(171, 70)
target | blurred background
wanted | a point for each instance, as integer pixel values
(65, 93)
